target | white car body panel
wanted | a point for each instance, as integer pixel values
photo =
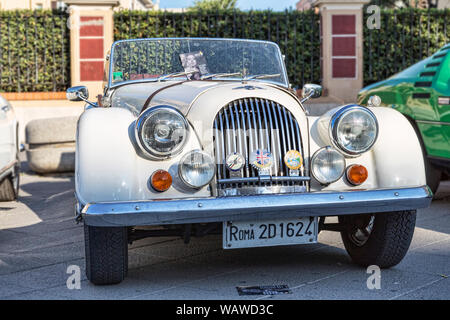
(8, 138)
(109, 167)
(394, 161)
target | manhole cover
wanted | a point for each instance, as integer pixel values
(263, 290)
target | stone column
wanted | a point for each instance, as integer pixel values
(342, 48)
(91, 37)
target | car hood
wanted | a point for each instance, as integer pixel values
(183, 95)
(177, 94)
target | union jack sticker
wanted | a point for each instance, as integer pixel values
(261, 159)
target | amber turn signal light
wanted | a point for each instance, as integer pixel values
(356, 174)
(161, 180)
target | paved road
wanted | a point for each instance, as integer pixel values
(39, 240)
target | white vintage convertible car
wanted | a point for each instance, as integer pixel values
(202, 136)
(9, 152)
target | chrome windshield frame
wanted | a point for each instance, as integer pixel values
(110, 84)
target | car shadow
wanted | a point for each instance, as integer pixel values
(437, 217)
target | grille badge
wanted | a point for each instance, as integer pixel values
(235, 162)
(261, 160)
(293, 160)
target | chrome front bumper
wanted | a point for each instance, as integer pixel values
(203, 210)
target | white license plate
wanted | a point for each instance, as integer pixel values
(262, 233)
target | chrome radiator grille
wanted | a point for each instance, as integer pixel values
(249, 124)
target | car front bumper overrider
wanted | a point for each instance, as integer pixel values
(254, 207)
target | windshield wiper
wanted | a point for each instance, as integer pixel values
(220, 75)
(176, 74)
(261, 76)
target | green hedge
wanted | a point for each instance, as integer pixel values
(297, 33)
(34, 51)
(406, 36)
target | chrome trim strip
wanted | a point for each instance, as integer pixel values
(222, 140)
(278, 139)
(249, 130)
(255, 207)
(217, 149)
(245, 153)
(286, 125)
(255, 128)
(300, 143)
(264, 179)
(272, 131)
(235, 113)
(227, 130)
(439, 123)
(291, 124)
(260, 127)
(283, 137)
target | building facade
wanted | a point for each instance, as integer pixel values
(52, 4)
(303, 5)
(29, 4)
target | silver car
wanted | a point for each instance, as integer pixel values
(9, 152)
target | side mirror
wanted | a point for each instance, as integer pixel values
(311, 91)
(80, 93)
(374, 101)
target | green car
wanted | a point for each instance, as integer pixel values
(422, 94)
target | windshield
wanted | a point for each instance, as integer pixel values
(193, 58)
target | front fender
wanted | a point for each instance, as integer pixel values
(394, 161)
(108, 166)
(397, 153)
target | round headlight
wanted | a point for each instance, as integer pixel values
(354, 129)
(327, 165)
(162, 131)
(196, 169)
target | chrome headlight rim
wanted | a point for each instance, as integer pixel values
(140, 123)
(180, 174)
(337, 116)
(314, 156)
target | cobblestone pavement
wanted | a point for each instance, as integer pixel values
(39, 240)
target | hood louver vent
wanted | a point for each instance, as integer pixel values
(433, 64)
(422, 84)
(428, 74)
(423, 95)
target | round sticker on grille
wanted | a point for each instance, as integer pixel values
(261, 159)
(293, 160)
(235, 161)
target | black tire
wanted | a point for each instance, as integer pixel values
(433, 175)
(106, 254)
(7, 190)
(386, 244)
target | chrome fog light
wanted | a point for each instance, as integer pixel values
(196, 169)
(327, 165)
